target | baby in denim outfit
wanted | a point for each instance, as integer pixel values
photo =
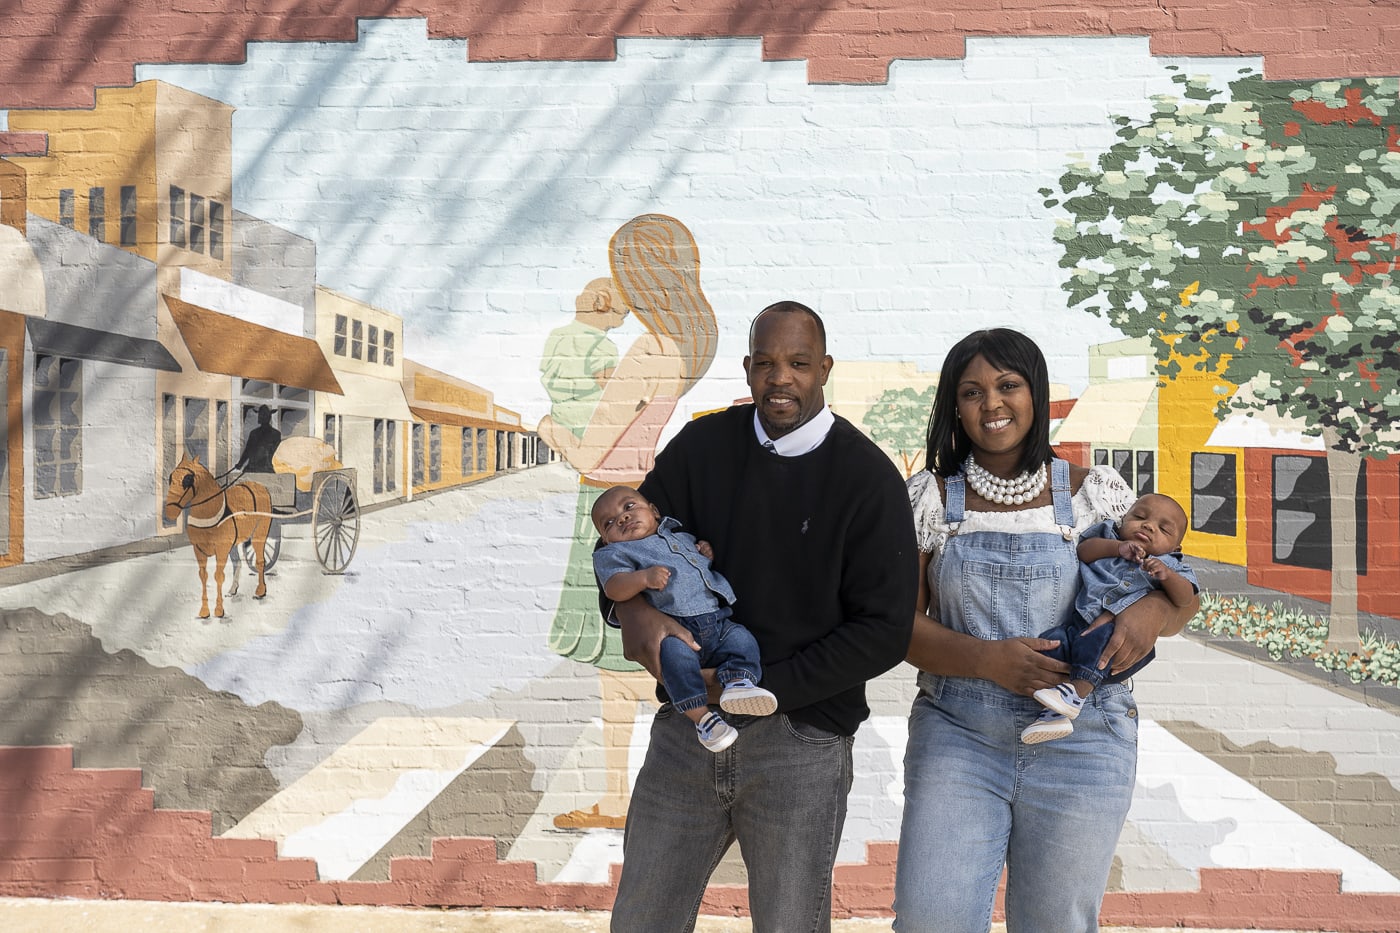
(1118, 566)
(644, 553)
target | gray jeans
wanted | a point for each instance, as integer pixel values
(780, 790)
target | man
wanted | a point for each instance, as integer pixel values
(810, 522)
(261, 445)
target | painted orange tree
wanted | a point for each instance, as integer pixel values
(1253, 234)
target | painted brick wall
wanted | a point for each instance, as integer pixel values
(413, 731)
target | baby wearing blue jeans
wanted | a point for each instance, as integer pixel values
(1118, 566)
(644, 553)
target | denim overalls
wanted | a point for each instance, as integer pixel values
(975, 797)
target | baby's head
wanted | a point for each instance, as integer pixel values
(601, 303)
(622, 514)
(1156, 522)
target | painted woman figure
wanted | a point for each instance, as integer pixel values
(656, 267)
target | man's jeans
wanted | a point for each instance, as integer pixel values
(780, 789)
(724, 645)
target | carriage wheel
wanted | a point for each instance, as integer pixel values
(335, 523)
(272, 549)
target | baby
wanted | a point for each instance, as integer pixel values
(644, 553)
(1118, 566)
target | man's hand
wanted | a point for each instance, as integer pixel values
(1018, 665)
(643, 629)
(706, 551)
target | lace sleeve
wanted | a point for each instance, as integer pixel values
(930, 528)
(1108, 494)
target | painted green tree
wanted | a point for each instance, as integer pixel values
(1253, 234)
(898, 421)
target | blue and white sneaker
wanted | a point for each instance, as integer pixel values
(1061, 698)
(715, 734)
(745, 698)
(1050, 725)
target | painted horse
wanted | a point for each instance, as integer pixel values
(217, 519)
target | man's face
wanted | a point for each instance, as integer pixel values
(621, 514)
(786, 367)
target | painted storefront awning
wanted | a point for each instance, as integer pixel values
(58, 339)
(1120, 413)
(438, 416)
(366, 397)
(223, 344)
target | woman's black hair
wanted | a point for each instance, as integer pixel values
(948, 443)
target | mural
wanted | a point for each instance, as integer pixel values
(372, 322)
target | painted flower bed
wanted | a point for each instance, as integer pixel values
(1284, 632)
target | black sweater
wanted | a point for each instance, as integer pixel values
(819, 548)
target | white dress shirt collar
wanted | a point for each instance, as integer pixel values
(805, 439)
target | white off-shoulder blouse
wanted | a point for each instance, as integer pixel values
(1104, 496)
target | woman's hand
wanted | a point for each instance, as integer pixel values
(1018, 665)
(1136, 629)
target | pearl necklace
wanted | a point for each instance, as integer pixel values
(993, 488)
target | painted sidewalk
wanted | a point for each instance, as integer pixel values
(41, 916)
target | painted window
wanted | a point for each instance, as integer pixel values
(372, 351)
(357, 339)
(435, 453)
(342, 328)
(177, 216)
(1213, 495)
(384, 442)
(419, 453)
(65, 207)
(216, 229)
(1302, 513)
(481, 450)
(196, 435)
(97, 214)
(58, 427)
(128, 220)
(196, 225)
(222, 452)
(1145, 479)
(331, 435)
(169, 446)
(388, 348)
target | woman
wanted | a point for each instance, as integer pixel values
(656, 267)
(998, 517)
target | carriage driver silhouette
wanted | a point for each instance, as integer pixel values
(261, 445)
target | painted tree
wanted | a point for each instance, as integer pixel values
(1253, 235)
(898, 421)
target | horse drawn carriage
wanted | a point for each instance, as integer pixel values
(242, 514)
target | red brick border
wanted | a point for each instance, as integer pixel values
(52, 53)
(89, 833)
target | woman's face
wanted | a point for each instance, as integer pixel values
(995, 408)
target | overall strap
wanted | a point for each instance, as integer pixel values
(955, 490)
(1063, 499)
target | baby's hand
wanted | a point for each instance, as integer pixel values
(705, 550)
(1154, 568)
(656, 577)
(1131, 550)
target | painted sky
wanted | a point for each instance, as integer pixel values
(475, 199)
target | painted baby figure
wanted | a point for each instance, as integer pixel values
(645, 553)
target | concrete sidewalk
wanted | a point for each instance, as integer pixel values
(33, 915)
